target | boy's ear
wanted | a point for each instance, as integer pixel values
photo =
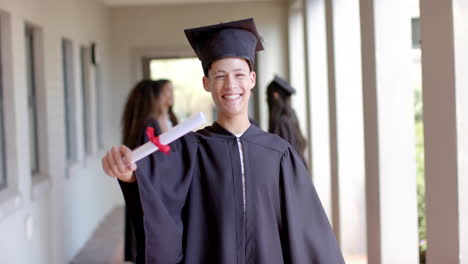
(253, 79)
(206, 83)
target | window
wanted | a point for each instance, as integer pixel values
(99, 103)
(85, 94)
(189, 95)
(69, 101)
(8, 135)
(31, 81)
(3, 178)
(415, 33)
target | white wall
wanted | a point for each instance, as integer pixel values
(63, 211)
(158, 30)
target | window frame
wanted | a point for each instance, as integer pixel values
(10, 197)
(415, 33)
(87, 101)
(70, 103)
(40, 183)
(3, 165)
(32, 96)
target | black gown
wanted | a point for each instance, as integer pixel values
(190, 204)
(284, 129)
(130, 238)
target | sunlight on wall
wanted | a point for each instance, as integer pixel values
(189, 96)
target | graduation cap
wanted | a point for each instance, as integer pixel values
(238, 39)
(282, 85)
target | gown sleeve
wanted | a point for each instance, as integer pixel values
(134, 232)
(158, 198)
(307, 236)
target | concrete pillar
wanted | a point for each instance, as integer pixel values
(445, 100)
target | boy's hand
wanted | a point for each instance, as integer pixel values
(117, 164)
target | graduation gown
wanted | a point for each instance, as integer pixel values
(190, 204)
(284, 129)
(130, 238)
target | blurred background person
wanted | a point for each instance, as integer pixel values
(282, 117)
(149, 104)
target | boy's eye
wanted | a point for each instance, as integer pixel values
(219, 77)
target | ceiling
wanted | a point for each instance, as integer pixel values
(165, 2)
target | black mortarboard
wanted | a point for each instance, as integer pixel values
(237, 39)
(283, 85)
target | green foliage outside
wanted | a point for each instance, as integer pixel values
(419, 131)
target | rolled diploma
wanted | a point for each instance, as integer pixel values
(168, 137)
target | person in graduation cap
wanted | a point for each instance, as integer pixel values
(282, 117)
(228, 193)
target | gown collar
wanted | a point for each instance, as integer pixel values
(217, 130)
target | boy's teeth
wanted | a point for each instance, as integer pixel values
(235, 96)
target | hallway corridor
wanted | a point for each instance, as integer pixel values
(106, 244)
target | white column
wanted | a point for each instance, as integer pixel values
(460, 9)
(317, 83)
(348, 150)
(392, 229)
(445, 96)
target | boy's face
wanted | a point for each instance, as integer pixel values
(229, 81)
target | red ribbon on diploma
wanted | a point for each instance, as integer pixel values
(155, 140)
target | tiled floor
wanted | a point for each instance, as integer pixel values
(106, 244)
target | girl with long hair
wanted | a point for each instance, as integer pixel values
(149, 103)
(283, 120)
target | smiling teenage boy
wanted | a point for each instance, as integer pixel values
(229, 193)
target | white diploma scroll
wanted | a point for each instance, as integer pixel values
(169, 136)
